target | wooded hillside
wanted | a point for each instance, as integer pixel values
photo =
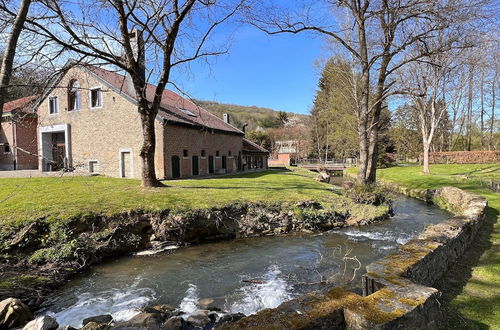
(252, 115)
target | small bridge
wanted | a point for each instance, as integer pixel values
(329, 165)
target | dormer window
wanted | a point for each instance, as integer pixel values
(53, 105)
(96, 97)
(74, 96)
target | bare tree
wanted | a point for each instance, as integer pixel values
(7, 60)
(122, 32)
(424, 88)
(378, 35)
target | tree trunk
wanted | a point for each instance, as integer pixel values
(10, 51)
(426, 169)
(148, 175)
(371, 174)
(482, 111)
(492, 119)
(363, 130)
(469, 108)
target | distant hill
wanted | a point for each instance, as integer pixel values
(252, 115)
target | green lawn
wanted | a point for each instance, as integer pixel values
(23, 200)
(473, 286)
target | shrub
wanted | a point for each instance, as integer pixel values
(368, 194)
(61, 253)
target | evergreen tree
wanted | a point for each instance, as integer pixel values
(333, 115)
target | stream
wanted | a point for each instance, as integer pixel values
(242, 275)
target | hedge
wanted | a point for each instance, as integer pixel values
(464, 157)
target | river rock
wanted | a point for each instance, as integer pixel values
(174, 323)
(13, 313)
(66, 327)
(106, 318)
(166, 311)
(95, 326)
(42, 323)
(229, 318)
(202, 317)
(150, 321)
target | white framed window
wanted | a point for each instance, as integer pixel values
(74, 101)
(53, 105)
(96, 97)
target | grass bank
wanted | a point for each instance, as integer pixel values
(23, 200)
(472, 287)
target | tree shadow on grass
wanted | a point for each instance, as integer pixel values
(480, 253)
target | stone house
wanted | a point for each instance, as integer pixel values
(18, 138)
(88, 122)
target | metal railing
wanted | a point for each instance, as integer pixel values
(345, 162)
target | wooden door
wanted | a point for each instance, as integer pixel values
(176, 167)
(210, 164)
(224, 162)
(195, 165)
(58, 151)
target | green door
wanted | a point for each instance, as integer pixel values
(224, 162)
(210, 164)
(196, 170)
(176, 167)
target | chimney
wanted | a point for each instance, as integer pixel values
(226, 118)
(137, 43)
(244, 128)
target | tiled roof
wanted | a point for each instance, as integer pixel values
(250, 147)
(22, 104)
(174, 108)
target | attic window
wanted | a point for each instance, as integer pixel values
(53, 105)
(96, 97)
(189, 113)
(74, 96)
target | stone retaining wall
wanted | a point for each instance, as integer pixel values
(397, 292)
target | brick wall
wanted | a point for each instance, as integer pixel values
(26, 143)
(177, 139)
(282, 159)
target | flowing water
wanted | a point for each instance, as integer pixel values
(243, 275)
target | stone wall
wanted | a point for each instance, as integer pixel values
(397, 292)
(95, 134)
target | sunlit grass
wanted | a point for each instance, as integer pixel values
(25, 199)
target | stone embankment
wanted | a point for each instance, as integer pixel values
(397, 290)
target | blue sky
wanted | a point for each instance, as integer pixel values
(276, 71)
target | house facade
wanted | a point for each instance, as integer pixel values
(88, 122)
(285, 154)
(18, 138)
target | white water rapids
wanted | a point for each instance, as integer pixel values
(125, 304)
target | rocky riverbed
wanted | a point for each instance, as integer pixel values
(14, 314)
